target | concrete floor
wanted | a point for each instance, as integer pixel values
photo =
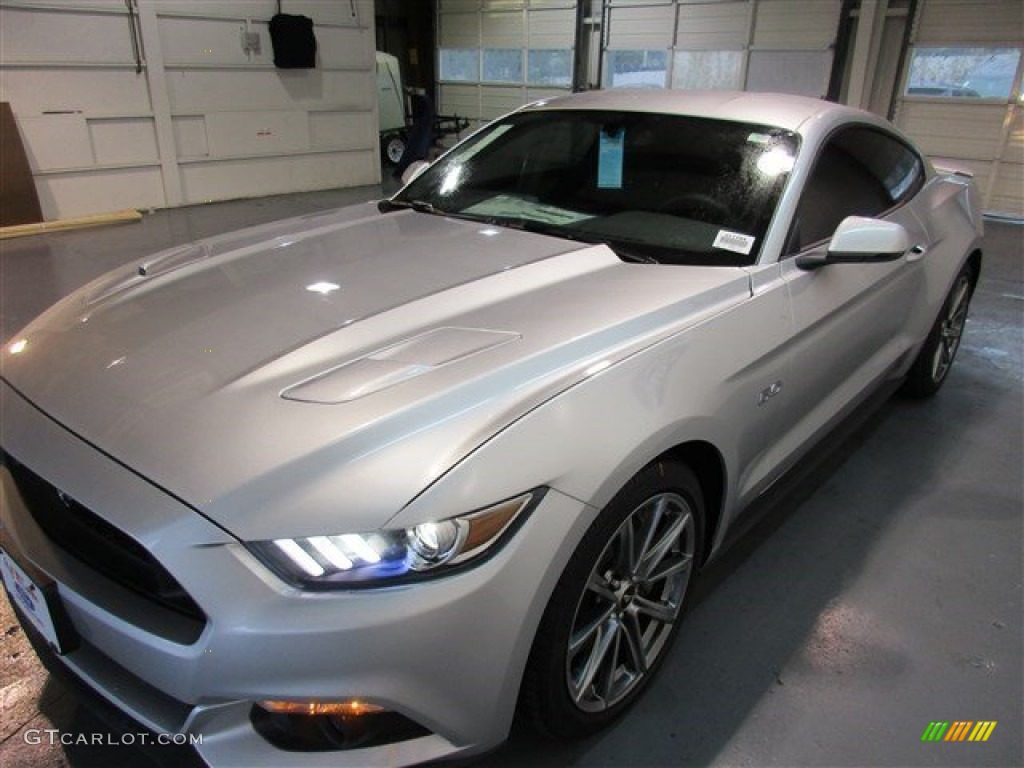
(880, 591)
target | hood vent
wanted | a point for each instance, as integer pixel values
(392, 365)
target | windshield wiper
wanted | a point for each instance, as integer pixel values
(523, 224)
(420, 206)
(632, 256)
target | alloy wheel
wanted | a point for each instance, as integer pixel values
(631, 600)
(952, 329)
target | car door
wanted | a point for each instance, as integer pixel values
(849, 320)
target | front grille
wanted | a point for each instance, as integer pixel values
(98, 544)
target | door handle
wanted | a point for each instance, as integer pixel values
(917, 252)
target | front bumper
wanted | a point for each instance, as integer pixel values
(447, 654)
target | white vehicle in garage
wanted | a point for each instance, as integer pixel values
(357, 487)
(391, 102)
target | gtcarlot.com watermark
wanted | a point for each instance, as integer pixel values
(52, 736)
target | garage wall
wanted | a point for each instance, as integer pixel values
(961, 93)
(205, 116)
(495, 55)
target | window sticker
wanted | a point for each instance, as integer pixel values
(517, 207)
(734, 241)
(759, 138)
(609, 159)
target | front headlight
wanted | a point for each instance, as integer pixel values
(345, 561)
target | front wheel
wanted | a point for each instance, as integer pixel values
(936, 356)
(617, 606)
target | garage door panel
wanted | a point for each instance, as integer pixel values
(343, 47)
(789, 24)
(201, 42)
(641, 28)
(957, 21)
(502, 30)
(458, 30)
(91, 91)
(502, 5)
(460, 100)
(495, 102)
(56, 141)
(1014, 151)
(201, 91)
(249, 177)
(64, 195)
(1008, 190)
(970, 131)
(35, 36)
(714, 26)
(458, 6)
(534, 94)
(123, 140)
(551, 29)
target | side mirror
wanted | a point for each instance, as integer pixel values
(414, 170)
(859, 240)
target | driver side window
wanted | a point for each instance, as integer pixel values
(861, 171)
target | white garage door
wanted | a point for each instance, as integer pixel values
(961, 96)
(495, 55)
(174, 104)
(755, 45)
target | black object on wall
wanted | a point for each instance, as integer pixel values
(293, 40)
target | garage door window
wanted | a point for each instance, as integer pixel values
(962, 73)
(694, 70)
(549, 67)
(637, 69)
(503, 65)
(460, 64)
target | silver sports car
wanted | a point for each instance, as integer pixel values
(360, 487)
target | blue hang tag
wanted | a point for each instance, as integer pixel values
(609, 159)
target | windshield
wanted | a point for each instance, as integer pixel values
(654, 187)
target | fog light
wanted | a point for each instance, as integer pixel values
(321, 726)
(348, 707)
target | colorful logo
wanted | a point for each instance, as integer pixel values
(959, 730)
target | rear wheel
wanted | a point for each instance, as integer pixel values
(617, 606)
(936, 356)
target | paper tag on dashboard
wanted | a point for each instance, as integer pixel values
(734, 241)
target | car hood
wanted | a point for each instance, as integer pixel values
(316, 374)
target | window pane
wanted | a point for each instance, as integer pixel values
(963, 73)
(889, 161)
(707, 69)
(637, 69)
(503, 65)
(804, 73)
(549, 68)
(460, 64)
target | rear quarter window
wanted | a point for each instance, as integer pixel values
(861, 171)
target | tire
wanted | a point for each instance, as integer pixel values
(616, 608)
(936, 357)
(392, 147)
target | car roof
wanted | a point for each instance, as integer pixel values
(776, 109)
